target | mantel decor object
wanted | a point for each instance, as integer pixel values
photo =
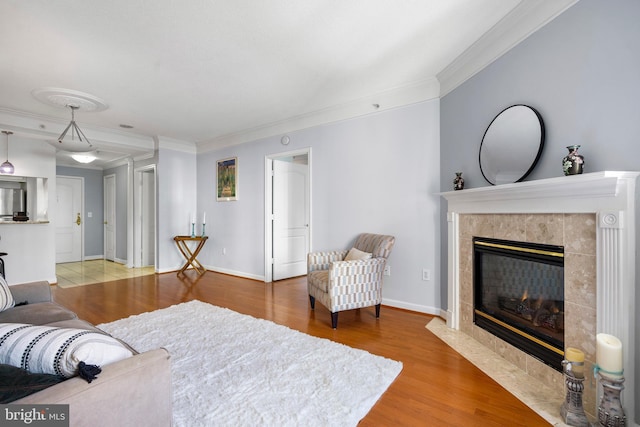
(573, 163)
(610, 373)
(512, 145)
(572, 411)
(610, 411)
(458, 181)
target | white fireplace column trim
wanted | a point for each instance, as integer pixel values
(453, 286)
(611, 195)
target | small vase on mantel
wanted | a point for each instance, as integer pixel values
(573, 162)
(458, 181)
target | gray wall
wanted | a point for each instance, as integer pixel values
(377, 173)
(94, 203)
(581, 72)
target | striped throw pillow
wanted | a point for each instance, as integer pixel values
(58, 351)
(6, 298)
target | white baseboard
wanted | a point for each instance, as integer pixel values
(413, 307)
(93, 257)
(236, 273)
(218, 270)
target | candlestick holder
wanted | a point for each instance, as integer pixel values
(193, 229)
(610, 411)
(572, 411)
(203, 226)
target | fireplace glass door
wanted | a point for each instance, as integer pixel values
(519, 295)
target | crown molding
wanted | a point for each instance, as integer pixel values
(403, 95)
(163, 142)
(525, 19)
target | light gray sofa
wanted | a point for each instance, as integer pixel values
(135, 391)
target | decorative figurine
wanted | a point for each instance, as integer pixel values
(458, 181)
(573, 163)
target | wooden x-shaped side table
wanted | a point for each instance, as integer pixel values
(190, 255)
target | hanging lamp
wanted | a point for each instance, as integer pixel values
(7, 168)
(75, 130)
(85, 157)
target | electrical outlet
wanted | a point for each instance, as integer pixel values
(387, 270)
(426, 274)
(224, 251)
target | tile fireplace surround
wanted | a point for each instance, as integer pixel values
(593, 217)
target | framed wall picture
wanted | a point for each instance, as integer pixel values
(227, 179)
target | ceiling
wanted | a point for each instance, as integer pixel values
(212, 73)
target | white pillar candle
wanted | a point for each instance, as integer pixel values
(204, 217)
(609, 355)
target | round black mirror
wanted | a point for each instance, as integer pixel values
(511, 145)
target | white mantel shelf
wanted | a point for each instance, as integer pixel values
(612, 196)
(592, 192)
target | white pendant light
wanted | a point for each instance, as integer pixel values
(87, 157)
(75, 130)
(7, 168)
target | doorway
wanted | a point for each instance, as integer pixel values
(109, 182)
(145, 217)
(69, 218)
(288, 214)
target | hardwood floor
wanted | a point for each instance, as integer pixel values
(436, 387)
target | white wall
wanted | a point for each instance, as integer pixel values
(176, 195)
(377, 173)
(31, 247)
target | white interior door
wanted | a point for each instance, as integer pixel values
(147, 218)
(290, 219)
(109, 217)
(69, 221)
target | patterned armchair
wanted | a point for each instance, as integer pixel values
(344, 285)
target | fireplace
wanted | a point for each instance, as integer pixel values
(594, 216)
(519, 295)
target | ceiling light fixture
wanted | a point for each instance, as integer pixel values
(7, 168)
(75, 130)
(83, 157)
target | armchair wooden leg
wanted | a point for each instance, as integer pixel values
(377, 310)
(334, 320)
(312, 300)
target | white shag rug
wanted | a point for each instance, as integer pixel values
(230, 369)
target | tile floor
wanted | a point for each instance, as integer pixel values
(82, 273)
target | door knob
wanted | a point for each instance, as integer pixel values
(78, 220)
